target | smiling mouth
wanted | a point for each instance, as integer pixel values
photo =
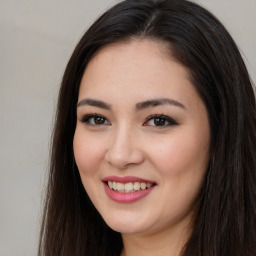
(129, 187)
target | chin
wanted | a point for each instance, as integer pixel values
(126, 225)
(125, 229)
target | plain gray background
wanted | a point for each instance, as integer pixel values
(37, 39)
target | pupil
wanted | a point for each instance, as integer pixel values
(159, 121)
(99, 120)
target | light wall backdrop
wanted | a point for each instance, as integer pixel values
(36, 41)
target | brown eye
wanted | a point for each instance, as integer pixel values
(160, 121)
(99, 120)
(95, 119)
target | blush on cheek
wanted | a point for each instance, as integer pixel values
(181, 156)
(85, 161)
(87, 155)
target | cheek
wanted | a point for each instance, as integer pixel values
(88, 151)
(183, 154)
(181, 163)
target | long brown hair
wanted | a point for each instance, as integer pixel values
(226, 220)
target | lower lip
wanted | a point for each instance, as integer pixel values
(121, 197)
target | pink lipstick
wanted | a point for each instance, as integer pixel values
(127, 189)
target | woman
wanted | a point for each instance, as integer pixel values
(153, 151)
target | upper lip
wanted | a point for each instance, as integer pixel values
(126, 179)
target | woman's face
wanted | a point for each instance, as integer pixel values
(142, 138)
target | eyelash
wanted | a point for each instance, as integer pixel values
(168, 121)
(86, 119)
(164, 120)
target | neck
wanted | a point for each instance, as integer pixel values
(167, 242)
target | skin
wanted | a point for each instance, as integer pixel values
(174, 155)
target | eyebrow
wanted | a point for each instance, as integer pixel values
(94, 103)
(158, 102)
(139, 106)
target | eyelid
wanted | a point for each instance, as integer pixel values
(170, 120)
(85, 119)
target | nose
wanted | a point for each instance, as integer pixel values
(124, 149)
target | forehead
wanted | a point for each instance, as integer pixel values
(133, 65)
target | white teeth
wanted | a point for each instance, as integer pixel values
(110, 184)
(136, 186)
(143, 185)
(129, 186)
(120, 187)
(149, 185)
